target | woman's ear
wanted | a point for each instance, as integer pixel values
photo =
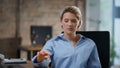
(61, 24)
(79, 24)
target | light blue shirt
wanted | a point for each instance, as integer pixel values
(65, 55)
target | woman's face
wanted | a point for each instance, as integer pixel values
(70, 23)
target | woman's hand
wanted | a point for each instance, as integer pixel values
(42, 55)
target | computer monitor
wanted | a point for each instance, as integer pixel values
(40, 34)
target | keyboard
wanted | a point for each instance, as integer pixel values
(15, 61)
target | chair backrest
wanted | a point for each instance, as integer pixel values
(102, 40)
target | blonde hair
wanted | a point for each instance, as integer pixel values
(72, 9)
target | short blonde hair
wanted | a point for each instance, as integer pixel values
(72, 9)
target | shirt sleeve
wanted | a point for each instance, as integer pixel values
(44, 63)
(93, 61)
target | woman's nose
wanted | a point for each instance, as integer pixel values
(70, 23)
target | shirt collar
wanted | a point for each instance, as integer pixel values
(60, 36)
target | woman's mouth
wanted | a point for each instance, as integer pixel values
(71, 29)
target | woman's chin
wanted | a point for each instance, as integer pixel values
(70, 32)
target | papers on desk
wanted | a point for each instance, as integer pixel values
(15, 61)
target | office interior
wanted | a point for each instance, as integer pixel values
(26, 23)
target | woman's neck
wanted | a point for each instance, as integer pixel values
(70, 37)
(74, 38)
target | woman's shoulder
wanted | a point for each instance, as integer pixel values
(87, 39)
(54, 38)
(59, 36)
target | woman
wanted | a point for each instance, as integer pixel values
(68, 50)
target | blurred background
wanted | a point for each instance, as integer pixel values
(22, 20)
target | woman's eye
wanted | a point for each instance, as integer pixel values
(74, 21)
(66, 21)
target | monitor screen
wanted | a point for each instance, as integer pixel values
(40, 34)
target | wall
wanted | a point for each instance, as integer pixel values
(7, 18)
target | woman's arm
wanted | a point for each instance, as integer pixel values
(93, 61)
(41, 64)
(43, 58)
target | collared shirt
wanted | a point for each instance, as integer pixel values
(65, 55)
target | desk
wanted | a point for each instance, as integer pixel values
(25, 65)
(30, 49)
